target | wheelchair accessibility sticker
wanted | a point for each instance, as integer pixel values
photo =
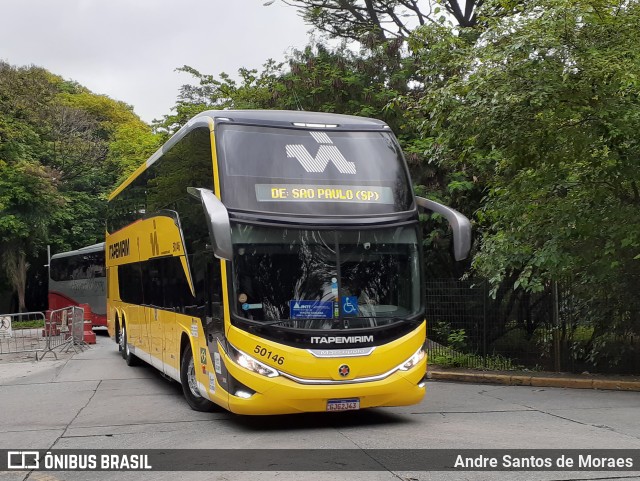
(349, 305)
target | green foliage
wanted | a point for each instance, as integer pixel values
(457, 339)
(535, 121)
(606, 352)
(131, 143)
(252, 90)
(371, 21)
(473, 361)
(62, 150)
(540, 114)
(27, 324)
(316, 78)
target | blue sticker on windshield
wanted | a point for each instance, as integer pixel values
(246, 307)
(349, 305)
(310, 309)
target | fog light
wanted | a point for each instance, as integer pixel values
(243, 394)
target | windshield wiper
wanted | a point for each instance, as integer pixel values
(280, 321)
(381, 318)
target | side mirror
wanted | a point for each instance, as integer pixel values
(459, 224)
(217, 221)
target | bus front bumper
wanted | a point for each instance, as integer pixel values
(281, 395)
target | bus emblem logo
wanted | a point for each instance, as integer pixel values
(344, 370)
(326, 153)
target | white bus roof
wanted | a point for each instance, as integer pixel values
(83, 250)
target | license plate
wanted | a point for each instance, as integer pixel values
(343, 404)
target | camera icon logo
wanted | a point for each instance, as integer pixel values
(23, 460)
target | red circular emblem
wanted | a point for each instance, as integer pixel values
(344, 370)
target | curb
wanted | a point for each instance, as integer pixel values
(535, 381)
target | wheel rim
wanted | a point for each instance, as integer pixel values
(191, 379)
(122, 339)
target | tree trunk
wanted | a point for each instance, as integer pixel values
(15, 266)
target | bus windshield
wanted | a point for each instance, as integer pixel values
(325, 279)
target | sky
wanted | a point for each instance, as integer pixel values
(129, 49)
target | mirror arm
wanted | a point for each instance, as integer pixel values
(217, 221)
(460, 226)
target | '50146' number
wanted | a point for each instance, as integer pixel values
(264, 352)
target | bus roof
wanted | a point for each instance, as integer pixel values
(293, 117)
(83, 250)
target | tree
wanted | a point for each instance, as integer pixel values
(252, 90)
(27, 200)
(62, 150)
(377, 21)
(542, 113)
(315, 78)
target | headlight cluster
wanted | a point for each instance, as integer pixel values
(250, 363)
(413, 360)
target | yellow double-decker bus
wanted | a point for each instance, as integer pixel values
(270, 262)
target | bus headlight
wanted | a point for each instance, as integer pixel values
(250, 363)
(413, 360)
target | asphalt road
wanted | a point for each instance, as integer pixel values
(93, 400)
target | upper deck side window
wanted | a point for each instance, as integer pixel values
(77, 267)
(163, 185)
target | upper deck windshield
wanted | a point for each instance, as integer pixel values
(319, 172)
(315, 279)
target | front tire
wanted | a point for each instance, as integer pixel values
(189, 384)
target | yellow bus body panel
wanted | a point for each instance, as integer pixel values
(145, 239)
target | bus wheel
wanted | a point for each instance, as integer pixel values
(127, 355)
(190, 385)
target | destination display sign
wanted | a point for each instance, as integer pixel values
(364, 194)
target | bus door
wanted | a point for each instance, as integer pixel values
(178, 298)
(165, 286)
(170, 341)
(130, 291)
(155, 313)
(162, 329)
(137, 330)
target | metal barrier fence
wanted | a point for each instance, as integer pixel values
(64, 329)
(33, 332)
(14, 338)
(554, 330)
